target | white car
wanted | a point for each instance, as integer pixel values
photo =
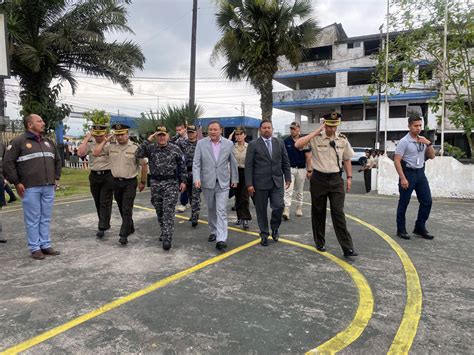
(359, 155)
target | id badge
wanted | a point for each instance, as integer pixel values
(417, 161)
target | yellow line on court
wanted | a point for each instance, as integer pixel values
(119, 302)
(411, 316)
(56, 204)
(363, 313)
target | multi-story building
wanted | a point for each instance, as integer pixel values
(336, 76)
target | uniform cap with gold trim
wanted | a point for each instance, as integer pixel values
(191, 128)
(120, 128)
(161, 130)
(332, 119)
(240, 130)
(99, 129)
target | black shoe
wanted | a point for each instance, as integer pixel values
(100, 233)
(349, 253)
(264, 241)
(212, 238)
(194, 223)
(12, 199)
(245, 224)
(123, 240)
(238, 222)
(403, 235)
(275, 235)
(166, 244)
(3, 240)
(321, 249)
(425, 234)
(221, 245)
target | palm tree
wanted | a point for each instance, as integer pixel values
(255, 33)
(52, 40)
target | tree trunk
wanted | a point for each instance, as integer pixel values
(266, 99)
(469, 140)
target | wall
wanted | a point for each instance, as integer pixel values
(447, 178)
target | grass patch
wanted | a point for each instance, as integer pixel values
(73, 182)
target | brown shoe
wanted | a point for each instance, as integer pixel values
(37, 255)
(50, 251)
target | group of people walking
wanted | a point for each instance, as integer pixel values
(266, 170)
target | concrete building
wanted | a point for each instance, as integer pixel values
(336, 76)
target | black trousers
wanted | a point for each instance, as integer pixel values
(102, 189)
(125, 191)
(260, 199)
(242, 198)
(368, 180)
(322, 188)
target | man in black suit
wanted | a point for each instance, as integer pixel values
(266, 164)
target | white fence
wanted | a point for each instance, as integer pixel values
(447, 177)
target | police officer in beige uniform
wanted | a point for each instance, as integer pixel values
(330, 152)
(100, 177)
(124, 166)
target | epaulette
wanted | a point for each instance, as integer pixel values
(342, 136)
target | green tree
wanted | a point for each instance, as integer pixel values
(255, 33)
(420, 26)
(52, 40)
(95, 117)
(170, 116)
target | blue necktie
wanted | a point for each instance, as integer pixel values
(269, 146)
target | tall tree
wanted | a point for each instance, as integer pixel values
(255, 33)
(421, 40)
(52, 40)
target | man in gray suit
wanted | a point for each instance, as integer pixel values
(215, 170)
(266, 165)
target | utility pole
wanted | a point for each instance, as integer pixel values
(242, 109)
(443, 87)
(379, 96)
(192, 76)
(386, 78)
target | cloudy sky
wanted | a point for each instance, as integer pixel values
(163, 30)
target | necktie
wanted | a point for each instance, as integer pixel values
(269, 146)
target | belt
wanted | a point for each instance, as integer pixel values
(163, 177)
(326, 175)
(298, 167)
(125, 179)
(100, 172)
(406, 168)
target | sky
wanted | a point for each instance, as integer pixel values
(162, 28)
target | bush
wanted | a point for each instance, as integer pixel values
(453, 151)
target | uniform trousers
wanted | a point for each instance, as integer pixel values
(102, 189)
(194, 198)
(368, 180)
(416, 181)
(164, 195)
(242, 198)
(125, 191)
(277, 204)
(216, 201)
(37, 208)
(322, 187)
(298, 177)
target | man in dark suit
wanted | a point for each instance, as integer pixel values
(266, 164)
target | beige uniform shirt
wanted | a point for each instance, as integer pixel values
(123, 162)
(323, 155)
(240, 151)
(101, 162)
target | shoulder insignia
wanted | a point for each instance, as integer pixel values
(342, 136)
(9, 147)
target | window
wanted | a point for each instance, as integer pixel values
(351, 45)
(371, 47)
(397, 111)
(370, 112)
(317, 53)
(364, 77)
(352, 112)
(425, 72)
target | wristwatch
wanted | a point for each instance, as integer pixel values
(309, 171)
(349, 177)
(429, 145)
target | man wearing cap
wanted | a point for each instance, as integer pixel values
(331, 153)
(215, 170)
(165, 161)
(101, 180)
(241, 193)
(33, 165)
(188, 147)
(124, 166)
(300, 163)
(178, 138)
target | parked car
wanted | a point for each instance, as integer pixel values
(359, 155)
